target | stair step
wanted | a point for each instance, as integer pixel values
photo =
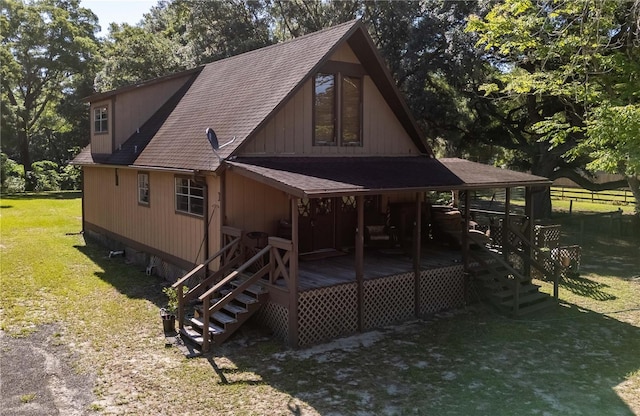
(241, 297)
(524, 290)
(213, 328)
(253, 289)
(192, 334)
(528, 309)
(223, 318)
(527, 298)
(234, 309)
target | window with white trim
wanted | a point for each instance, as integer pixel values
(189, 196)
(100, 120)
(143, 188)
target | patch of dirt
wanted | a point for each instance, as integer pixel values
(39, 376)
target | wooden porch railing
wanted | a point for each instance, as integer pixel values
(230, 256)
(208, 309)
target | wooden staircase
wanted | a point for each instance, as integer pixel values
(507, 290)
(222, 300)
(228, 317)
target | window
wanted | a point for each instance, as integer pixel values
(143, 188)
(100, 120)
(337, 110)
(189, 196)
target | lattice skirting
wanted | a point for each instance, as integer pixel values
(388, 300)
(441, 289)
(276, 318)
(568, 256)
(327, 313)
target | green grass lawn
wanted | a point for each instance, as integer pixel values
(579, 358)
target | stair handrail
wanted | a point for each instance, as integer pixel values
(208, 309)
(518, 277)
(554, 274)
(180, 283)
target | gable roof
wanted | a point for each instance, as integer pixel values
(238, 95)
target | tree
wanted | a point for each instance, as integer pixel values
(46, 44)
(556, 62)
(132, 54)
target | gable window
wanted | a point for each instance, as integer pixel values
(189, 196)
(100, 120)
(337, 103)
(143, 188)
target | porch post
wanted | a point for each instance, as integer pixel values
(465, 231)
(417, 237)
(360, 260)
(293, 276)
(505, 227)
(528, 232)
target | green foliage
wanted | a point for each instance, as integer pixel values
(47, 46)
(171, 307)
(10, 175)
(44, 176)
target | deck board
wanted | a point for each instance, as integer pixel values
(341, 269)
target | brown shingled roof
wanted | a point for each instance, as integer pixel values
(235, 96)
(333, 176)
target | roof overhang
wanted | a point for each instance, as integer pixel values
(314, 177)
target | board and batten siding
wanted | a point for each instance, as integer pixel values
(134, 108)
(252, 206)
(102, 143)
(290, 131)
(116, 209)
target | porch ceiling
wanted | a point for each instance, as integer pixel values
(336, 176)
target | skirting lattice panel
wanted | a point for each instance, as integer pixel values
(546, 236)
(327, 313)
(276, 318)
(441, 289)
(388, 300)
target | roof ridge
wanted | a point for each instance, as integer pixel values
(352, 22)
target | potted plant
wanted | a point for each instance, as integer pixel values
(168, 313)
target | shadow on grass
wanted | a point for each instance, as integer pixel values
(27, 196)
(566, 361)
(586, 287)
(129, 279)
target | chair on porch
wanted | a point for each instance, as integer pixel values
(378, 232)
(448, 226)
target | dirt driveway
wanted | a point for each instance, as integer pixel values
(38, 376)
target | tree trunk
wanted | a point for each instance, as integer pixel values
(25, 157)
(634, 185)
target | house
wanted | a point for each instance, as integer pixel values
(288, 182)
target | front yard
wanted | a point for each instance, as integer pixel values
(81, 334)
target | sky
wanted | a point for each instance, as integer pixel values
(119, 11)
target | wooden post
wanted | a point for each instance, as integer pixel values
(360, 260)
(417, 237)
(505, 224)
(465, 231)
(205, 323)
(528, 232)
(293, 276)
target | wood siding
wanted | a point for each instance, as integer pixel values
(133, 108)
(290, 131)
(128, 111)
(102, 143)
(116, 209)
(252, 206)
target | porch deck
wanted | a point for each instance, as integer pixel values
(330, 271)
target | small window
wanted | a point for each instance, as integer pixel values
(325, 103)
(143, 188)
(100, 120)
(189, 196)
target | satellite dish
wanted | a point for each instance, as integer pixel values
(213, 139)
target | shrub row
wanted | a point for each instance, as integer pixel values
(44, 176)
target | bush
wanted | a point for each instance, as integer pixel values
(44, 176)
(70, 178)
(11, 175)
